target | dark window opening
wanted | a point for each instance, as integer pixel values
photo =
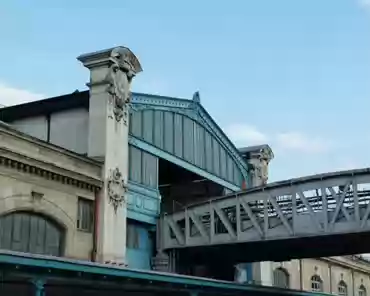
(85, 216)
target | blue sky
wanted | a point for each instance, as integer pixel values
(294, 74)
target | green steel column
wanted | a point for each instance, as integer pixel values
(39, 287)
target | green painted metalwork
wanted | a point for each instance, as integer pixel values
(184, 137)
(180, 162)
(143, 167)
(143, 203)
(184, 128)
(38, 284)
(193, 284)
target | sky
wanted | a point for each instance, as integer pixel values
(294, 74)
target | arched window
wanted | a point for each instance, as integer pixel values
(342, 289)
(316, 283)
(30, 233)
(362, 291)
(281, 278)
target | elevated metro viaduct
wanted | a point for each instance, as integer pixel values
(309, 217)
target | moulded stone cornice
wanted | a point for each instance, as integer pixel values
(105, 56)
(349, 263)
(32, 167)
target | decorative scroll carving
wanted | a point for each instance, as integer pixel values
(121, 72)
(116, 189)
(265, 154)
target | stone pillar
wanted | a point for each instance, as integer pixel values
(111, 74)
(266, 273)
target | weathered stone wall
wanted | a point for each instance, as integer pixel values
(354, 273)
(57, 203)
(39, 178)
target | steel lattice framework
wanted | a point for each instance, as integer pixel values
(325, 204)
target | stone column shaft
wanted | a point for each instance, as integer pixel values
(111, 73)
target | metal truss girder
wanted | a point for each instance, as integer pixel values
(317, 205)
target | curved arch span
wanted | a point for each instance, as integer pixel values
(31, 232)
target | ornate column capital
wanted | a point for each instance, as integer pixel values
(120, 55)
(113, 68)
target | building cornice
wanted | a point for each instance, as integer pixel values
(60, 176)
(349, 263)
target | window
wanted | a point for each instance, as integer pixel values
(281, 278)
(362, 291)
(85, 215)
(342, 289)
(316, 284)
(31, 233)
(132, 236)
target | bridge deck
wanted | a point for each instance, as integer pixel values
(320, 205)
(80, 276)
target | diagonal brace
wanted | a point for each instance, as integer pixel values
(198, 224)
(251, 216)
(340, 201)
(280, 214)
(176, 230)
(310, 210)
(225, 221)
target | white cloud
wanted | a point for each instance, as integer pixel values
(12, 96)
(248, 135)
(300, 142)
(245, 135)
(364, 3)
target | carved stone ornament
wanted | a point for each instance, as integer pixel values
(123, 68)
(116, 189)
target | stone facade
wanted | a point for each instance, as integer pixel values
(44, 180)
(57, 202)
(258, 158)
(337, 275)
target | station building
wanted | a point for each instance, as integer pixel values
(85, 176)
